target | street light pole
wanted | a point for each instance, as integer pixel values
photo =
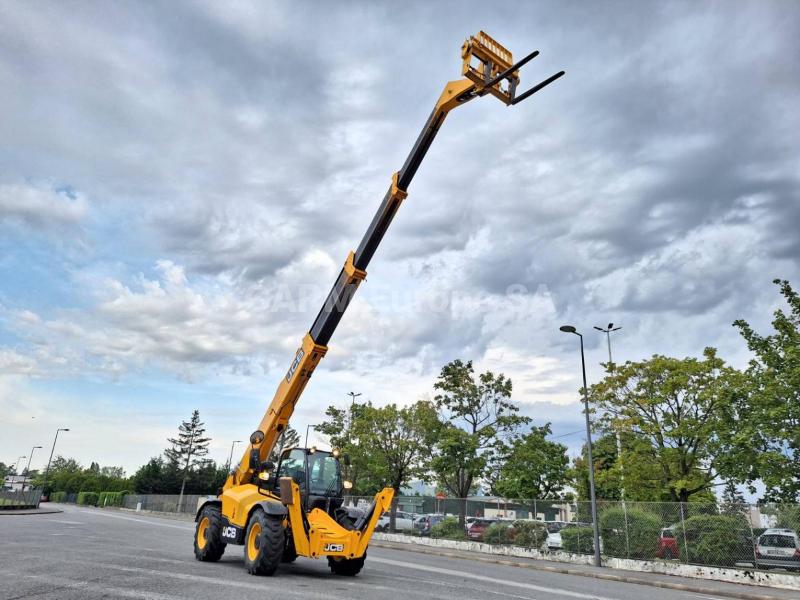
(230, 458)
(307, 428)
(28, 468)
(595, 525)
(607, 331)
(53, 449)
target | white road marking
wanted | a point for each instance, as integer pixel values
(60, 582)
(65, 522)
(490, 580)
(187, 527)
(232, 583)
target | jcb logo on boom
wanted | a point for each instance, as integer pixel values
(229, 532)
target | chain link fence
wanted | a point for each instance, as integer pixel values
(711, 534)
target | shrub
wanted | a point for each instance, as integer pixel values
(498, 533)
(88, 498)
(718, 540)
(641, 540)
(448, 528)
(116, 498)
(530, 534)
(577, 540)
(58, 496)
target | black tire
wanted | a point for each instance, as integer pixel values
(263, 544)
(349, 567)
(208, 544)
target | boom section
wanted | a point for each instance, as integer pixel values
(488, 68)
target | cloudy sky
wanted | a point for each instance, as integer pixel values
(181, 181)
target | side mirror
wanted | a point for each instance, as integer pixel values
(268, 465)
(346, 459)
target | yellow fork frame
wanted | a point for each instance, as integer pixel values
(324, 536)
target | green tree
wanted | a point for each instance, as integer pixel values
(289, 438)
(766, 443)
(189, 449)
(535, 468)
(338, 427)
(477, 414)
(5, 470)
(399, 440)
(678, 406)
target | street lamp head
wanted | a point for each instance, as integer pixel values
(36, 447)
(568, 329)
(64, 429)
(610, 325)
(599, 328)
(616, 328)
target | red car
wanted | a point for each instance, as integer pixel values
(478, 527)
(667, 544)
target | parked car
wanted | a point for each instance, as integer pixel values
(553, 541)
(424, 523)
(667, 544)
(478, 527)
(778, 548)
(403, 522)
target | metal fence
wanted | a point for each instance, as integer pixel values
(711, 534)
(19, 499)
(162, 502)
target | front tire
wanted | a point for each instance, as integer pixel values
(349, 567)
(263, 544)
(208, 544)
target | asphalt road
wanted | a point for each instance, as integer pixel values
(91, 553)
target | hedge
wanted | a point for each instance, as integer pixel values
(718, 540)
(498, 533)
(641, 540)
(58, 496)
(577, 540)
(530, 534)
(88, 498)
(448, 528)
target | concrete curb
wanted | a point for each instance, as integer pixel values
(30, 511)
(382, 542)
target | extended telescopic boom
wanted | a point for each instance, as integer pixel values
(488, 68)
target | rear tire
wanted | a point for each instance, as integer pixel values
(208, 544)
(263, 544)
(349, 567)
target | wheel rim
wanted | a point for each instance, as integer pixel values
(252, 540)
(202, 530)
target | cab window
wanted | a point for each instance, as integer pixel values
(293, 465)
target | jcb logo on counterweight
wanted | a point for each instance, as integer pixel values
(333, 548)
(229, 532)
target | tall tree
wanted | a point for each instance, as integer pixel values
(399, 440)
(477, 414)
(766, 443)
(189, 449)
(679, 408)
(535, 468)
(289, 438)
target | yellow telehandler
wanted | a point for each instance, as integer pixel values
(295, 508)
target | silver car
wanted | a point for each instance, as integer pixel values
(778, 548)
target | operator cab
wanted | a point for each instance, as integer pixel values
(318, 474)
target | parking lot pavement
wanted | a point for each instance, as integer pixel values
(94, 553)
